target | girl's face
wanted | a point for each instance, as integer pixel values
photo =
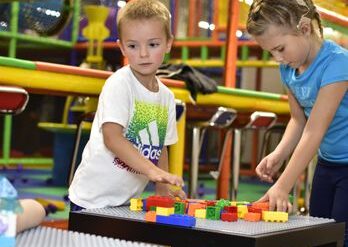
(286, 47)
(144, 43)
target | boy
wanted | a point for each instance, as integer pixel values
(135, 118)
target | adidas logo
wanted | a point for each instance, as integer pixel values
(148, 142)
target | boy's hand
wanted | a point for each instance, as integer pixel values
(168, 190)
(177, 192)
(157, 175)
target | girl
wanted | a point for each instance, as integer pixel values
(315, 71)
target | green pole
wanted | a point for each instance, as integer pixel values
(7, 138)
(223, 53)
(76, 22)
(11, 53)
(34, 39)
(204, 53)
(14, 29)
(184, 53)
(28, 161)
(245, 53)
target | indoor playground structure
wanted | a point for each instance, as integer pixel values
(64, 50)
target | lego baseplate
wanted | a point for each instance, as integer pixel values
(52, 237)
(240, 227)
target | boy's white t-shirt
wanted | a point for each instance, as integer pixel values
(149, 122)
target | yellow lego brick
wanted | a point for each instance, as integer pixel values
(136, 204)
(164, 211)
(200, 213)
(241, 211)
(274, 216)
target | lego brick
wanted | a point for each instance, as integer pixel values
(252, 209)
(241, 211)
(222, 203)
(226, 216)
(159, 201)
(179, 208)
(230, 209)
(213, 213)
(136, 204)
(164, 211)
(274, 216)
(177, 220)
(192, 207)
(254, 217)
(150, 216)
(201, 213)
(263, 205)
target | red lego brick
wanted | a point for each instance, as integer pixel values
(253, 209)
(229, 216)
(230, 209)
(159, 201)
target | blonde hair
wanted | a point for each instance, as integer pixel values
(287, 13)
(144, 9)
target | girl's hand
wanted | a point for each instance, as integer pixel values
(278, 199)
(268, 167)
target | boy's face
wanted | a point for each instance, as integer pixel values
(144, 43)
(285, 47)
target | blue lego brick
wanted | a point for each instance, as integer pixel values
(177, 220)
(144, 204)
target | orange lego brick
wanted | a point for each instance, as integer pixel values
(263, 205)
(254, 217)
(150, 216)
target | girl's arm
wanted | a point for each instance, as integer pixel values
(270, 165)
(325, 107)
(293, 130)
(123, 149)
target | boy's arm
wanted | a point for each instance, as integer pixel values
(120, 146)
(165, 189)
(324, 109)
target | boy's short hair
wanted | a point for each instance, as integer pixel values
(144, 9)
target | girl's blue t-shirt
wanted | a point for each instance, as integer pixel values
(329, 66)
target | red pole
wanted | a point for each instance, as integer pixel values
(231, 44)
(230, 81)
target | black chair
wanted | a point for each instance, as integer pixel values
(13, 100)
(222, 119)
(258, 120)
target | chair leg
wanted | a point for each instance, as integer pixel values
(236, 163)
(309, 178)
(216, 174)
(75, 152)
(194, 167)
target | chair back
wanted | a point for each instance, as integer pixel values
(13, 100)
(223, 117)
(179, 108)
(260, 119)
